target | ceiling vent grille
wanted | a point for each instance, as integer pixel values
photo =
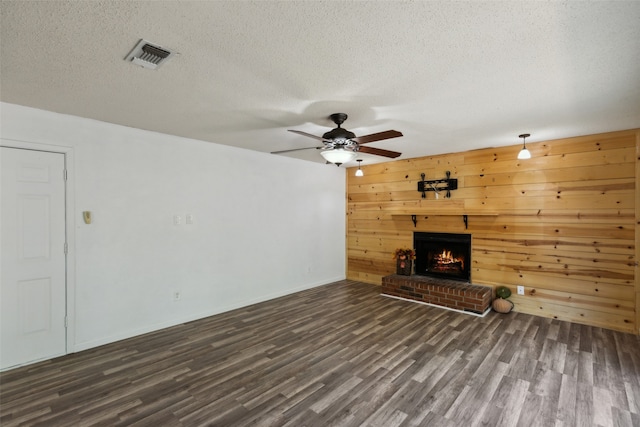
(149, 55)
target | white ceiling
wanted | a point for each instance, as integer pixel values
(452, 76)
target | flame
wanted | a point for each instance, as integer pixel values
(446, 257)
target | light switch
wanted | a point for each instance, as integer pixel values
(177, 220)
(189, 219)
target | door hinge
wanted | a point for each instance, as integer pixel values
(66, 248)
(64, 174)
(66, 322)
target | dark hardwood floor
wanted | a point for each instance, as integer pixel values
(340, 355)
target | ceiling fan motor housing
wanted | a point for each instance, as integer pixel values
(338, 118)
(338, 134)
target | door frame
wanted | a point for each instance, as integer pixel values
(70, 225)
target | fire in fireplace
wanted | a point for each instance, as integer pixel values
(444, 255)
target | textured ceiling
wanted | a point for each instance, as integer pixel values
(452, 76)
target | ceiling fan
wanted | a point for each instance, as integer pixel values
(340, 146)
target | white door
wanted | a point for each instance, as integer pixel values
(32, 255)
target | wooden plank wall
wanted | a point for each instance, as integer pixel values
(563, 223)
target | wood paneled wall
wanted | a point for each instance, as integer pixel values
(563, 223)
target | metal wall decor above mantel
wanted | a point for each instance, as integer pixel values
(437, 185)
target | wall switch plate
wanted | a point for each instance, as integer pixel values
(520, 290)
(177, 220)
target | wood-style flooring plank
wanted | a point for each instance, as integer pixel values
(339, 355)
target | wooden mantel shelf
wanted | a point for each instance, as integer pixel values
(434, 208)
(415, 212)
(439, 212)
(424, 208)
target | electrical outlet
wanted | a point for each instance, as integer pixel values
(176, 296)
(520, 290)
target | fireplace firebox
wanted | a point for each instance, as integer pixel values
(443, 255)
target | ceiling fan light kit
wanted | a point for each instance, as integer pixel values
(341, 146)
(338, 155)
(524, 154)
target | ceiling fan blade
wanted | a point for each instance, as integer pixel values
(379, 152)
(377, 136)
(295, 149)
(299, 132)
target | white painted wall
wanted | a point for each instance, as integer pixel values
(264, 225)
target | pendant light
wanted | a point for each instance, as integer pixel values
(359, 171)
(524, 153)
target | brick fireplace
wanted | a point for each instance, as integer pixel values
(452, 294)
(442, 275)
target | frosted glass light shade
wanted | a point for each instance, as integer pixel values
(359, 172)
(524, 154)
(338, 155)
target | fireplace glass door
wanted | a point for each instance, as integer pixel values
(443, 255)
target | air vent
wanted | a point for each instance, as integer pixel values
(149, 55)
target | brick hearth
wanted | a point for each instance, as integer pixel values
(448, 293)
